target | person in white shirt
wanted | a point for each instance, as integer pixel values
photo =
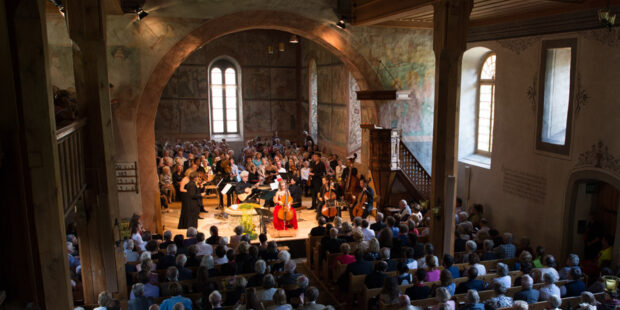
(203, 247)
(404, 208)
(502, 275)
(549, 289)
(368, 233)
(130, 254)
(417, 212)
(220, 255)
(269, 288)
(549, 267)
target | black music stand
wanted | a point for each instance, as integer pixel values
(264, 219)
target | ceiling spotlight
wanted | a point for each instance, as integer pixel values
(293, 39)
(341, 24)
(141, 13)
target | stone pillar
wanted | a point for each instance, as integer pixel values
(34, 266)
(103, 259)
(451, 18)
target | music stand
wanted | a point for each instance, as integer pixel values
(264, 218)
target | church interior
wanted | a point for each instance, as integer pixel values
(318, 154)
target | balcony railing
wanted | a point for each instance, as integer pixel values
(70, 143)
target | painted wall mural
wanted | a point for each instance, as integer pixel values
(355, 117)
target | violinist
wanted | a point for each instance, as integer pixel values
(366, 193)
(284, 216)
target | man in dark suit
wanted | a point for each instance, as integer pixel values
(418, 290)
(139, 302)
(168, 260)
(331, 245)
(378, 225)
(376, 278)
(575, 286)
(471, 283)
(319, 230)
(289, 276)
(527, 294)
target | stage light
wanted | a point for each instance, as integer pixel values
(141, 13)
(293, 39)
(341, 24)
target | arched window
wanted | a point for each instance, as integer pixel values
(486, 106)
(313, 100)
(224, 101)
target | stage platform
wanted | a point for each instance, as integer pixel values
(306, 220)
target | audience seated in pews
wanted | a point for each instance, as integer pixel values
(472, 301)
(527, 293)
(472, 283)
(139, 302)
(500, 300)
(376, 278)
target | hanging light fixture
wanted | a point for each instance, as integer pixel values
(141, 13)
(341, 23)
(293, 39)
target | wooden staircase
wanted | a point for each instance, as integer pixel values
(412, 174)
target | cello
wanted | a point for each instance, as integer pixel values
(358, 207)
(329, 208)
(285, 214)
(351, 184)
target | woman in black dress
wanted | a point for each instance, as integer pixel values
(190, 206)
(184, 222)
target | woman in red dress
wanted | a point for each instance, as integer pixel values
(279, 221)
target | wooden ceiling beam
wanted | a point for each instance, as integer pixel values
(407, 24)
(379, 11)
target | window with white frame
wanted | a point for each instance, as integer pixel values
(486, 106)
(224, 98)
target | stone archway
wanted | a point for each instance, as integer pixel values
(577, 177)
(336, 41)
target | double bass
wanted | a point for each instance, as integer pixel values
(329, 199)
(358, 206)
(351, 183)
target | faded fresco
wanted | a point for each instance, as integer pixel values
(354, 142)
(194, 115)
(313, 100)
(257, 116)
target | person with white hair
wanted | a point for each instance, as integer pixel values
(130, 254)
(215, 300)
(283, 257)
(405, 210)
(139, 301)
(520, 305)
(527, 294)
(472, 301)
(555, 302)
(502, 275)
(443, 297)
(510, 250)
(549, 288)
(260, 268)
(575, 287)
(549, 265)
(104, 299)
(572, 262)
(470, 248)
(244, 187)
(289, 276)
(184, 273)
(500, 300)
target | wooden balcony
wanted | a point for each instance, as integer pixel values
(70, 141)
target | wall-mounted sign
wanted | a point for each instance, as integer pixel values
(127, 177)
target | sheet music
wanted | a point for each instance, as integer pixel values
(274, 185)
(226, 189)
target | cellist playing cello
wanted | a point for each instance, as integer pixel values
(363, 200)
(284, 215)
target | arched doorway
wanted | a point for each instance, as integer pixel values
(334, 40)
(592, 194)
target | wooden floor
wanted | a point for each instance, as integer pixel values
(306, 221)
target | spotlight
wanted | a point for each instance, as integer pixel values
(341, 24)
(293, 39)
(141, 13)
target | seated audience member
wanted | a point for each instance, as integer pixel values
(409, 260)
(472, 283)
(599, 284)
(385, 256)
(527, 293)
(373, 250)
(215, 300)
(474, 261)
(184, 273)
(470, 248)
(416, 213)
(386, 238)
(403, 277)
(202, 246)
(209, 263)
(220, 255)
(587, 298)
(175, 290)
(310, 298)
(192, 258)
(526, 269)
(524, 258)
(390, 292)
(204, 284)
(346, 232)
(214, 239)
(575, 287)
(289, 276)
(279, 301)
(510, 251)
(234, 295)
(524, 245)
(448, 264)
(403, 234)
(404, 303)
(443, 297)
(130, 254)
(378, 225)
(548, 288)
(446, 280)
(554, 302)
(269, 288)
(260, 267)
(572, 262)
(548, 267)
(432, 271)
(104, 300)
(359, 265)
(331, 244)
(519, 305)
(283, 258)
(367, 231)
(148, 289)
(243, 259)
(230, 268)
(502, 275)
(540, 255)
(376, 278)
(170, 258)
(167, 240)
(500, 300)
(293, 296)
(358, 240)
(320, 229)
(429, 250)
(153, 248)
(139, 302)
(249, 300)
(418, 290)
(74, 261)
(472, 301)
(345, 258)
(271, 252)
(487, 248)
(234, 240)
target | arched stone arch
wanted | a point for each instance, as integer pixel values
(334, 40)
(576, 177)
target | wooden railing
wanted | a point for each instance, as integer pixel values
(412, 168)
(71, 161)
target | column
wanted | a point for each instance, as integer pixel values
(451, 18)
